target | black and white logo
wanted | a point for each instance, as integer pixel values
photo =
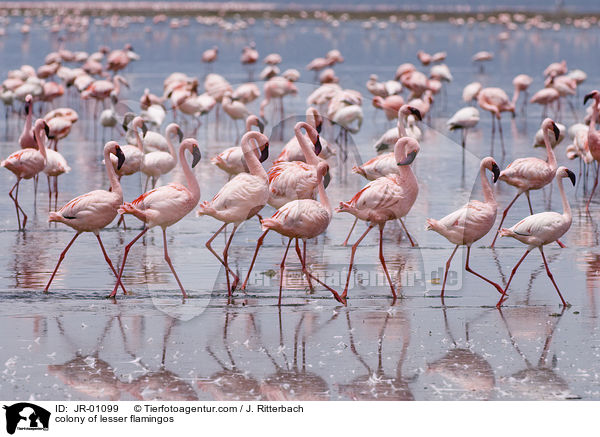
(25, 416)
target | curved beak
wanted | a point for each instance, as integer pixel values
(126, 120)
(409, 158)
(571, 176)
(496, 171)
(587, 97)
(264, 154)
(120, 157)
(180, 134)
(144, 129)
(416, 113)
(556, 131)
(326, 179)
(47, 130)
(318, 146)
(197, 155)
(261, 125)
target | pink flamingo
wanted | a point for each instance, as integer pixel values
(496, 101)
(545, 97)
(56, 164)
(157, 163)
(593, 138)
(292, 150)
(540, 229)
(531, 173)
(291, 180)
(521, 83)
(390, 105)
(240, 199)
(386, 198)
(299, 219)
(471, 222)
(26, 164)
(277, 88)
(93, 211)
(164, 206)
(26, 139)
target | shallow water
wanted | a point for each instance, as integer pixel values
(74, 344)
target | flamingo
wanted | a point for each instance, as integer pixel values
(544, 97)
(157, 163)
(386, 198)
(540, 229)
(27, 140)
(495, 101)
(521, 83)
(93, 211)
(390, 105)
(531, 173)
(164, 206)
(464, 119)
(471, 222)
(471, 91)
(134, 155)
(593, 138)
(235, 109)
(240, 199)
(300, 219)
(231, 160)
(392, 135)
(26, 164)
(56, 164)
(291, 180)
(481, 57)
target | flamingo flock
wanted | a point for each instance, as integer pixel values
(292, 188)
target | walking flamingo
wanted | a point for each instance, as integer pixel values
(299, 219)
(240, 199)
(531, 173)
(26, 164)
(157, 163)
(471, 222)
(496, 101)
(93, 211)
(291, 180)
(164, 206)
(540, 229)
(386, 198)
(593, 138)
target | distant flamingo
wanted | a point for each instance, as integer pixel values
(464, 119)
(540, 229)
(471, 222)
(240, 199)
(545, 97)
(521, 84)
(93, 211)
(527, 174)
(300, 219)
(157, 163)
(26, 164)
(593, 138)
(27, 140)
(165, 206)
(56, 164)
(496, 101)
(386, 198)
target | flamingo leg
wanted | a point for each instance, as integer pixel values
(503, 217)
(236, 279)
(55, 192)
(127, 249)
(18, 208)
(49, 194)
(168, 260)
(382, 260)
(587, 205)
(565, 304)
(302, 258)
(529, 202)
(446, 272)
(60, 259)
(110, 264)
(345, 243)
(258, 244)
(209, 247)
(354, 247)
(468, 269)
(412, 243)
(282, 268)
(310, 276)
(501, 136)
(35, 185)
(512, 274)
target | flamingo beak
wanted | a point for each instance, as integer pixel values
(556, 131)
(180, 134)
(144, 129)
(416, 113)
(264, 154)
(587, 97)
(326, 179)
(409, 158)
(261, 126)
(319, 127)
(197, 155)
(496, 171)
(318, 146)
(126, 120)
(47, 130)
(571, 176)
(120, 157)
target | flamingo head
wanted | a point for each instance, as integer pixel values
(119, 154)
(564, 172)
(550, 125)
(411, 149)
(593, 95)
(490, 164)
(408, 110)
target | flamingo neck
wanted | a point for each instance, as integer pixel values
(488, 193)
(117, 85)
(594, 116)
(249, 123)
(515, 96)
(549, 151)
(251, 157)
(115, 185)
(28, 121)
(138, 139)
(566, 207)
(306, 146)
(324, 199)
(401, 127)
(40, 140)
(170, 146)
(192, 182)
